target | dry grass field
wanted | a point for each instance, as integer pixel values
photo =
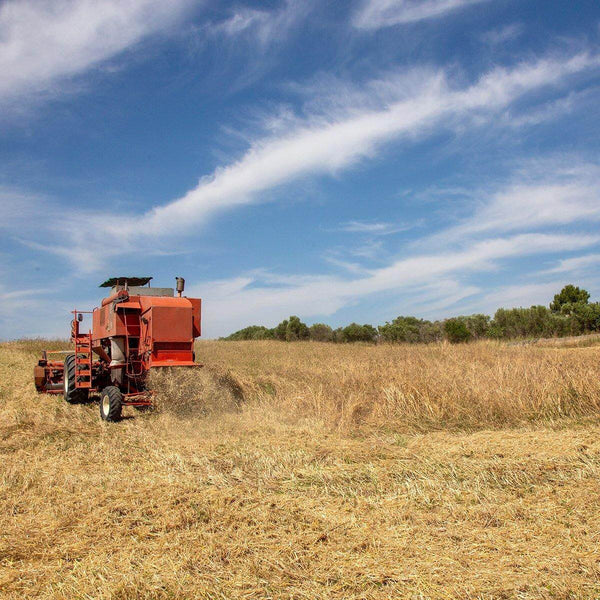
(311, 471)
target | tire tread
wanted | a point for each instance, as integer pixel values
(74, 395)
(115, 407)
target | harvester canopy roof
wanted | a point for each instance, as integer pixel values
(133, 281)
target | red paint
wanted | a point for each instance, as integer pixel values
(154, 331)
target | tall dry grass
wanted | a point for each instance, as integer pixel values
(415, 387)
(310, 471)
(194, 392)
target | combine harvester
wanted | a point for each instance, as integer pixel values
(136, 328)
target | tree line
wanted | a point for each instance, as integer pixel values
(570, 313)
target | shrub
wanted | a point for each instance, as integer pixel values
(456, 331)
(279, 332)
(478, 325)
(411, 329)
(319, 332)
(570, 313)
(402, 329)
(296, 330)
(586, 315)
(359, 333)
(536, 321)
(338, 335)
(253, 332)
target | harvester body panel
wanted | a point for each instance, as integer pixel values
(168, 330)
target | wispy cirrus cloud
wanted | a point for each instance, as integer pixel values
(543, 194)
(577, 265)
(326, 142)
(14, 303)
(44, 42)
(263, 26)
(372, 227)
(550, 111)
(375, 14)
(523, 294)
(320, 145)
(502, 35)
(261, 298)
(434, 275)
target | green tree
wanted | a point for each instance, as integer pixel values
(280, 331)
(586, 315)
(569, 295)
(320, 332)
(536, 321)
(296, 330)
(338, 335)
(359, 333)
(456, 331)
(570, 313)
(402, 329)
(411, 329)
(432, 331)
(478, 325)
(253, 332)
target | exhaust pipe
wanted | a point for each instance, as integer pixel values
(180, 285)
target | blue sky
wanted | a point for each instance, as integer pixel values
(342, 161)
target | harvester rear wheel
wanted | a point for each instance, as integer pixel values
(111, 403)
(72, 394)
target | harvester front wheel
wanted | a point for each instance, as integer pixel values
(72, 394)
(111, 403)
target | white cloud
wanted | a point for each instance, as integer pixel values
(264, 26)
(549, 111)
(374, 14)
(324, 142)
(363, 227)
(42, 42)
(329, 141)
(264, 299)
(20, 294)
(372, 227)
(518, 295)
(438, 296)
(502, 35)
(19, 207)
(351, 267)
(545, 194)
(579, 264)
(480, 255)
(371, 249)
(21, 307)
(326, 145)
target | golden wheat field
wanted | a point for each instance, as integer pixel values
(311, 470)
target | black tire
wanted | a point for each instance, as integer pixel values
(72, 394)
(111, 404)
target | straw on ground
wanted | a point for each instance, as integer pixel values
(311, 471)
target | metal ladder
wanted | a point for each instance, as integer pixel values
(83, 360)
(130, 370)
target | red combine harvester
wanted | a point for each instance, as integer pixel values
(136, 328)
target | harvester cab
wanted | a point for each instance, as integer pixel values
(136, 328)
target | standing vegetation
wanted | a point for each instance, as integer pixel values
(305, 470)
(457, 331)
(320, 332)
(570, 313)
